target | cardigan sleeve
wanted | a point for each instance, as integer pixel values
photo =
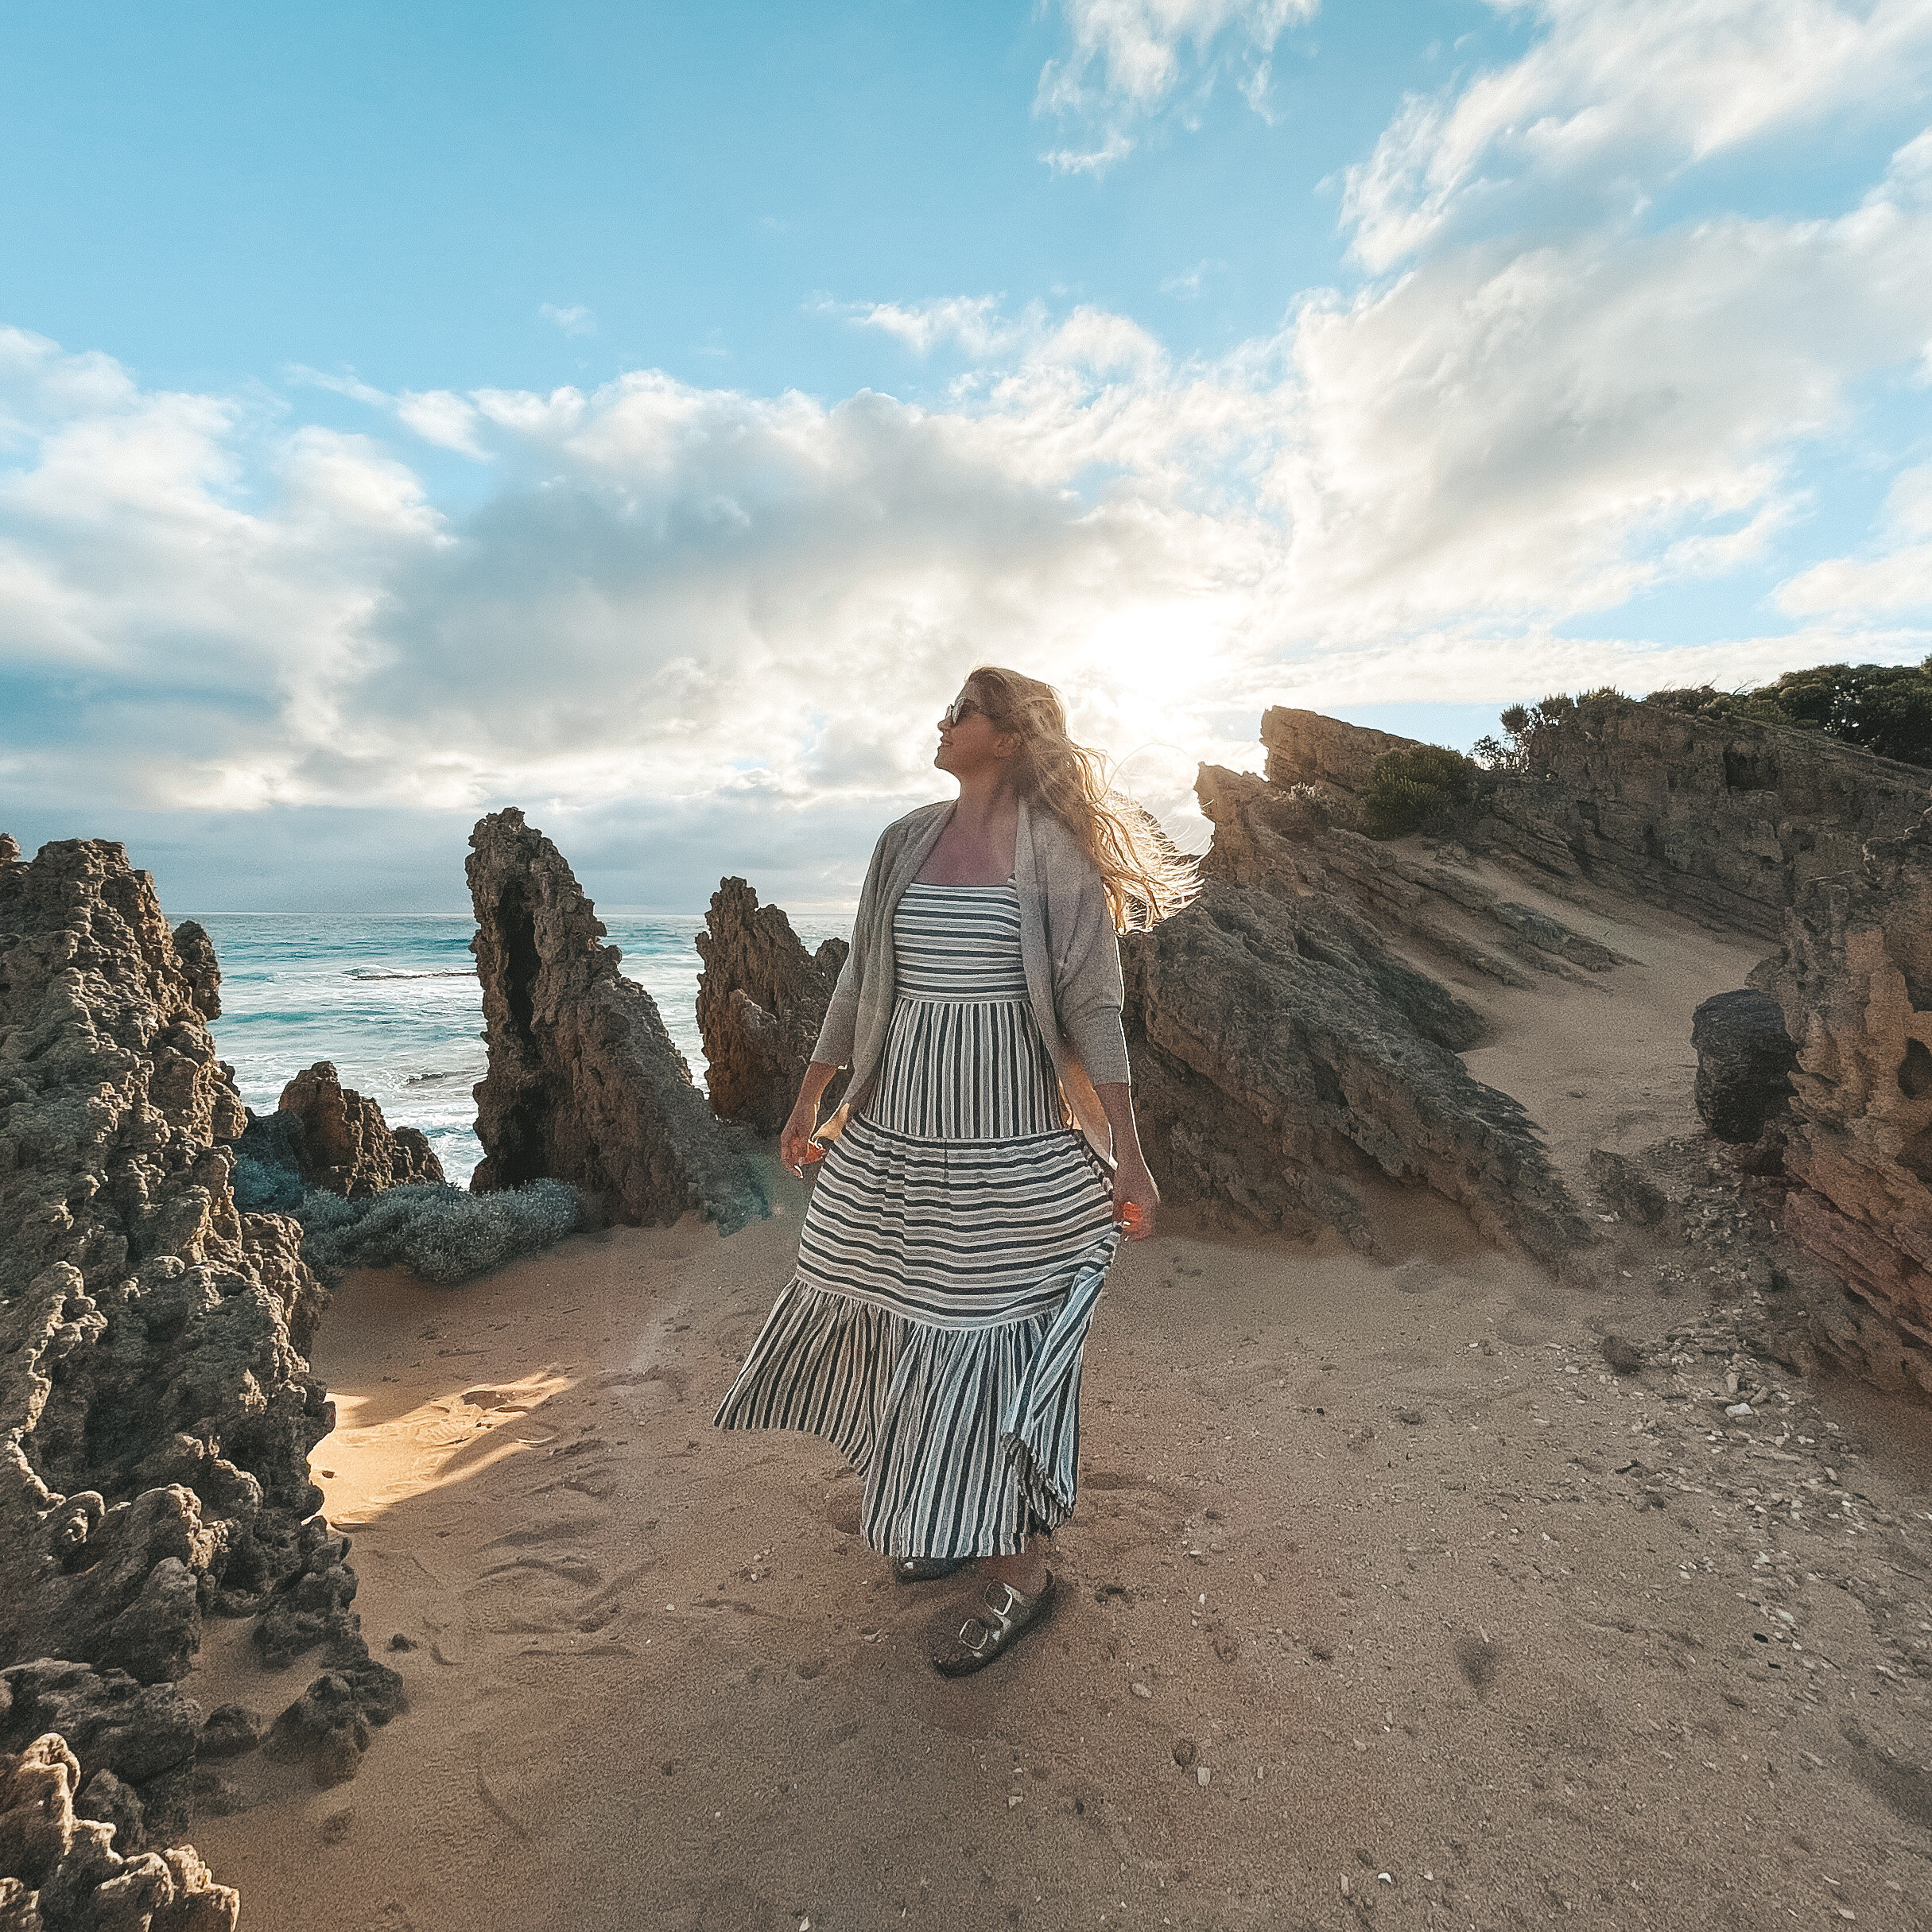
(841, 1027)
(1088, 986)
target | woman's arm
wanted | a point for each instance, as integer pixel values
(1133, 1185)
(804, 1121)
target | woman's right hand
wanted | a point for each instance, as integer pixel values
(795, 1140)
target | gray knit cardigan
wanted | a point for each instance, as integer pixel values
(1068, 947)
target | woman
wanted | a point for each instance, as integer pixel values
(965, 1214)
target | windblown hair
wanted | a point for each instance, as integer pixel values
(1147, 876)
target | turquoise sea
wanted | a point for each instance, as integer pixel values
(394, 1001)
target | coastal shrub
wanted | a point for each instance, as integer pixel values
(1520, 724)
(444, 1233)
(1410, 790)
(1881, 707)
(262, 1188)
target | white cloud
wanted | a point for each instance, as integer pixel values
(450, 421)
(438, 416)
(1618, 95)
(972, 322)
(1129, 56)
(345, 383)
(1470, 666)
(1553, 431)
(575, 320)
(743, 609)
(1186, 287)
(1897, 578)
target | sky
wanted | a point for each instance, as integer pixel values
(645, 415)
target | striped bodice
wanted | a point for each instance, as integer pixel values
(964, 1060)
(958, 942)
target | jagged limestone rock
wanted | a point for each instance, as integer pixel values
(1286, 1064)
(63, 1869)
(156, 1410)
(196, 951)
(761, 998)
(584, 1084)
(336, 1139)
(1855, 982)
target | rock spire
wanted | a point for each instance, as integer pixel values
(584, 1084)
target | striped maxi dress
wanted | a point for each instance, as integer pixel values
(952, 1255)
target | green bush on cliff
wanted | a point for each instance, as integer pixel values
(1881, 707)
(1414, 789)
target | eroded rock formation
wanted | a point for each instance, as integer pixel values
(584, 1083)
(1724, 820)
(1747, 828)
(336, 1139)
(156, 1411)
(1855, 981)
(761, 998)
(1289, 1066)
(65, 1867)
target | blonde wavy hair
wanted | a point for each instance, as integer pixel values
(1147, 876)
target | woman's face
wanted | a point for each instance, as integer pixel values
(973, 742)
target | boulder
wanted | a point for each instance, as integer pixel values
(326, 1727)
(106, 1798)
(761, 998)
(1854, 980)
(584, 1084)
(336, 1139)
(141, 1732)
(1744, 1062)
(232, 1730)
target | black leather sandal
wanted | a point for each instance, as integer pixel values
(1004, 1616)
(926, 1569)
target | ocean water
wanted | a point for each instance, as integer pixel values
(394, 1002)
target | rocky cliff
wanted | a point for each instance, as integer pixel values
(156, 1411)
(336, 1138)
(1290, 1067)
(1854, 979)
(761, 998)
(1752, 830)
(584, 1084)
(1723, 819)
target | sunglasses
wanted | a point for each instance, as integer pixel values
(960, 710)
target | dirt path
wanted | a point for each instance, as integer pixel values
(1386, 1601)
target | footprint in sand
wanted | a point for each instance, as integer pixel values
(1478, 1659)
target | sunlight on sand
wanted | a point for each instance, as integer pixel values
(367, 1465)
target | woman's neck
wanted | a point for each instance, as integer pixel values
(983, 802)
(977, 846)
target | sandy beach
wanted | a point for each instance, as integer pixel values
(1386, 1599)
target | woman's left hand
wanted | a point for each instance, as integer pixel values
(1134, 1189)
